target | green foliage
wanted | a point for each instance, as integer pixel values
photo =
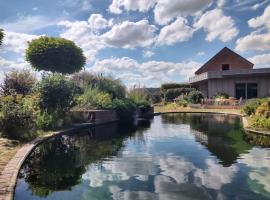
(1, 35)
(171, 94)
(125, 109)
(263, 109)
(260, 122)
(17, 122)
(55, 55)
(221, 95)
(93, 98)
(167, 86)
(18, 82)
(56, 94)
(251, 105)
(114, 87)
(195, 97)
(182, 102)
(139, 98)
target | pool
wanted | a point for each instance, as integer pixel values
(173, 156)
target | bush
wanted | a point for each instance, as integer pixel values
(195, 97)
(260, 122)
(18, 82)
(138, 97)
(17, 122)
(167, 86)
(56, 94)
(93, 98)
(125, 109)
(55, 55)
(172, 94)
(251, 105)
(182, 102)
(263, 109)
(221, 95)
(86, 80)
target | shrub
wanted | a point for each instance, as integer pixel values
(93, 98)
(125, 109)
(172, 94)
(56, 94)
(251, 105)
(221, 95)
(17, 122)
(1, 35)
(260, 122)
(86, 80)
(195, 97)
(138, 97)
(167, 86)
(263, 109)
(182, 102)
(55, 55)
(18, 82)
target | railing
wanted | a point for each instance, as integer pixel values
(220, 74)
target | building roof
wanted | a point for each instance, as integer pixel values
(220, 53)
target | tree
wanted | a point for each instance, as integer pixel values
(55, 55)
(1, 35)
(18, 82)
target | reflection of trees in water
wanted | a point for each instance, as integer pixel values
(59, 163)
(222, 134)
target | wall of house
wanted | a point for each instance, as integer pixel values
(226, 56)
(228, 85)
(203, 87)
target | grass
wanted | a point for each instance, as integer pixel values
(8, 149)
(175, 108)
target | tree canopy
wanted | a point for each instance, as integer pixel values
(1, 35)
(55, 55)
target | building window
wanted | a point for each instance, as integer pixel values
(246, 90)
(225, 67)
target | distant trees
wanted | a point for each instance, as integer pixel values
(55, 55)
(1, 35)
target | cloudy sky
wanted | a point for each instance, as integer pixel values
(143, 42)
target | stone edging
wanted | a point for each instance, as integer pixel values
(8, 177)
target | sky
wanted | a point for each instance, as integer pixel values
(142, 42)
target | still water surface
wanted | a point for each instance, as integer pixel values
(173, 156)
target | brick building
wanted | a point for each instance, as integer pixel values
(231, 73)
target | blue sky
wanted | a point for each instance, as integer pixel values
(142, 42)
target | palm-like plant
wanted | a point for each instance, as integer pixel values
(1, 35)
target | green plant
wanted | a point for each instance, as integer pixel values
(18, 82)
(125, 109)
(171, 94)
(260, 122)
(195, 97)
(138, 97)
(93, 98)
(167, 86)
(251, 105)
(1, 35)
(221, 95)
(114, 87)
(55, 55)
(17, 122)
(56, 94)
(182, 102)
(263, 109)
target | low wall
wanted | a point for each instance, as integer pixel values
(94, 116)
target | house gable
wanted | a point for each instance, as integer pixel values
(226, 59)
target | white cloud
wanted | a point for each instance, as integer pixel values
(131, 34)
(217, 26)
(221, 3)
(141, 5)
(148, 54)
(262, 20)
(28, 24)
(150, 73)
(166, 10)
(256, 40)
(97, 22)
(16, 42)
(201, 53)
(178, 31)
(261, 60)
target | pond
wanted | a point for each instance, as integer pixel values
(173, 156)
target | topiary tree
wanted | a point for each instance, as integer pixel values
(55, 55)
(1, 35)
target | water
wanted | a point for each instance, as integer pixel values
(175, 156)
